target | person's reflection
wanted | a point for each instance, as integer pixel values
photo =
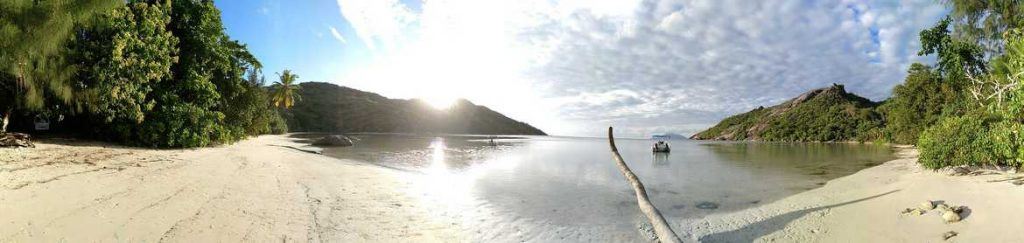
(661, 159)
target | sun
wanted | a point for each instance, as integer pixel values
(439, 102)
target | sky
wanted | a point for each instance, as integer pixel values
(575, 67)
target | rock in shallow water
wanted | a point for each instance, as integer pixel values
(334, 141)
(707, 205)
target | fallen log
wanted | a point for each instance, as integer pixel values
(13, 139)
(661, 228)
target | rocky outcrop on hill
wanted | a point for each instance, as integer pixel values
(826, 114)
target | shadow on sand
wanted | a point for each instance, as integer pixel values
(751, 232)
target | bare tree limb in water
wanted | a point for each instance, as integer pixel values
(661, 228)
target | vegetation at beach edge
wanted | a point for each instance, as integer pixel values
(966, 109)
(976, 82)
(156, 73)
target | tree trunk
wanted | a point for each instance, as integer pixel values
(661, 228)
(6, 119)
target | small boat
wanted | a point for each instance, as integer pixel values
(661, 147)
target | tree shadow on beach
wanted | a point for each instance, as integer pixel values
(753, 231)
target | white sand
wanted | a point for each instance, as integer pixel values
(866, 206)
(250, 191)
(258, 191)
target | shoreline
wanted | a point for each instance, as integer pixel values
(866, 207)
(264, 189)
(249, 191)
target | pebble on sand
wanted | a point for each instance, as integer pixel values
(950, 216)
(948, 235)
(927, 205)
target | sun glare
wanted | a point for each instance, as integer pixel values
(439, 102)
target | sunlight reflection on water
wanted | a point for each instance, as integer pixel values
(558, 189)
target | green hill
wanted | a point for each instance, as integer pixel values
(826, 114)
(326, 107)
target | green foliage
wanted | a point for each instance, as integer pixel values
(166, 75)
(285, 90)
(251, 113)
(825, 118)
(32, 50)
(829, 114)
(737, 125)
(327, 107)
(957, 59)
(207, 101)
(921, 101)
(992, 133)
(123, 55)
(962, 140)
(1008, 142)
(985, 20)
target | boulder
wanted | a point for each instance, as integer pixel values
(334, 141)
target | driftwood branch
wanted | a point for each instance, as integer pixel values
(661, 228)
(299, 149)
(13, 139)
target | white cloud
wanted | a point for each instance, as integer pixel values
(643, 66)
(378, 22)
(337, 35)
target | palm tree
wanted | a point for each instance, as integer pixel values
(286, 90)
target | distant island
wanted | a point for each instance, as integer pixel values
(825, 114)
(327, 107)
(668, 136)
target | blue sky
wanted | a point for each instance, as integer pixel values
(573, 67)
(294, 35)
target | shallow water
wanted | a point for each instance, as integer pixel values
(558, 188)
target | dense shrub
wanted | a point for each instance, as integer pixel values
(166, 75)
(278, 125)
(954, 141)
(1008, 142)
(918, 103)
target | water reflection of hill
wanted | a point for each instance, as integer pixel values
(815, 159)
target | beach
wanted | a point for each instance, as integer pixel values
(263, 189)
(249, 191)
(867, 206)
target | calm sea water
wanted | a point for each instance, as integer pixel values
(559, 188)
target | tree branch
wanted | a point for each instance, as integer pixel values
(661, 228)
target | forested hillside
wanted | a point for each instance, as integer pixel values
(966, 109)
(826, 114)
(326, 107)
